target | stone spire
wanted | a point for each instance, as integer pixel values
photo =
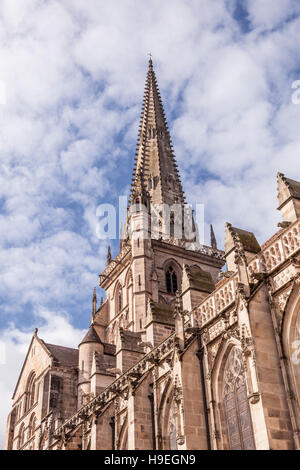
(108, 256)
(154, 156)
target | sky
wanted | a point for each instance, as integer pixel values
(72, 76)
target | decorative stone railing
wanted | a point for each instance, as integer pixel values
(216, 302)
(282, 248)
(206, 250)
(193, 246)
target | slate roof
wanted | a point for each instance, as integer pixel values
(200, 279)
(63, 355)
(91, 336)
(294, 186)
(159, 312)
(248, 240)
(104, 362)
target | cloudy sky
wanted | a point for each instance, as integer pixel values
(72, 75)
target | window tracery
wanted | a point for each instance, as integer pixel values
(235, 404)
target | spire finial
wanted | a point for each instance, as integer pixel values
(150, 62)
(94, 306)
(121, 235)
(213, 241)
(108, 257)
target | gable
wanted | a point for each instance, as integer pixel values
(37, 359)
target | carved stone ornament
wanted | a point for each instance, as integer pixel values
(254, 398)
(282, 299)
(246, 339)
(180, 440)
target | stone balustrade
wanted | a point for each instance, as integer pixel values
(216, 302)
(273, 255)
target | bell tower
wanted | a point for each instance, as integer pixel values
(142, 280)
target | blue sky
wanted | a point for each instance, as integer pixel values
(74, 73)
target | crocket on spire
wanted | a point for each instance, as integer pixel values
(154, 156)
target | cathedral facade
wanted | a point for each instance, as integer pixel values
(193, 347)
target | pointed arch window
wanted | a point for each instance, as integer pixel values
(235, 404)
(31, 386)
(32, 426)
(43, 440)
(291, 336)
(21, 435)
(171, 280)
(119, 299)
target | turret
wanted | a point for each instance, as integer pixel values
(90, 344)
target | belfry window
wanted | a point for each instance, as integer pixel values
(171, 281)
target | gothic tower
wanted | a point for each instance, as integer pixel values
(154, 262)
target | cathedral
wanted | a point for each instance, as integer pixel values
(193, 348)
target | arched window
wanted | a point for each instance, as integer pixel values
(21, 435)
(43, 441)
(295, 354)
(120, 300)
(171, 280)
(235, 404)
(30, 391)
(291, 344)
(119, 303)
(32, 426)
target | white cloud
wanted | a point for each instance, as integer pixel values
(269, 14)
(48, 271)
